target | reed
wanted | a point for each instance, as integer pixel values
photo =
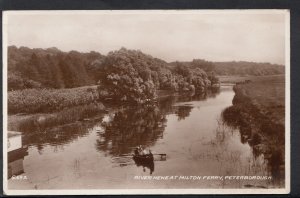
(49, 100)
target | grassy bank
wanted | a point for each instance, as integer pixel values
(266, 94)
(259, 112)
(49, 100)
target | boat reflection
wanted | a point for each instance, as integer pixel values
(149, 164)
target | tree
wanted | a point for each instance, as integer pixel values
(125, 77)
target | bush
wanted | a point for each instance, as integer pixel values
(16, 82)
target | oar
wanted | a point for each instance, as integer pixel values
(125, 155)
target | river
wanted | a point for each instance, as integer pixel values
(95, 154)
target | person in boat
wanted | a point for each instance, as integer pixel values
(140, 150)
(144, 152)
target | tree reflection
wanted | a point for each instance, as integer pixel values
(183, 111)
(198, 96)
(59, 135)
(132, 127)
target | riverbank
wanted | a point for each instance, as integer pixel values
(258, 111)
(40, 122)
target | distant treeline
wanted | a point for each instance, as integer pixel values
(243, 68)
(233, 68)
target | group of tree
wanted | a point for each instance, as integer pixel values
(131, 75)
(127, 75)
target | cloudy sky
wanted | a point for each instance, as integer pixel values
(170, 35)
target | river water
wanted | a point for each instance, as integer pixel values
(95, 154)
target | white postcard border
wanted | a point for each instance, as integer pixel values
(285, 190)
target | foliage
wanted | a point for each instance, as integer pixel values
(16, 82)
(45, 100)
(190, 79)
(203, 64)
(50, 68)
(127, 77)
(235, 68)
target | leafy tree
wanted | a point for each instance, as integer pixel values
(125, 78)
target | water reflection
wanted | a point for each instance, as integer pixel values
(40, 123)
(198, 96)
(143, 125)
(59, 136)
(183, 111)
(132, 127)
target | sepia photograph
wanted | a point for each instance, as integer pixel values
(146, 102)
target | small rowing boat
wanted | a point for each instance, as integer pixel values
(143, 158)
(141, 155)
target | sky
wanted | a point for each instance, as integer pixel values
(257, 36)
